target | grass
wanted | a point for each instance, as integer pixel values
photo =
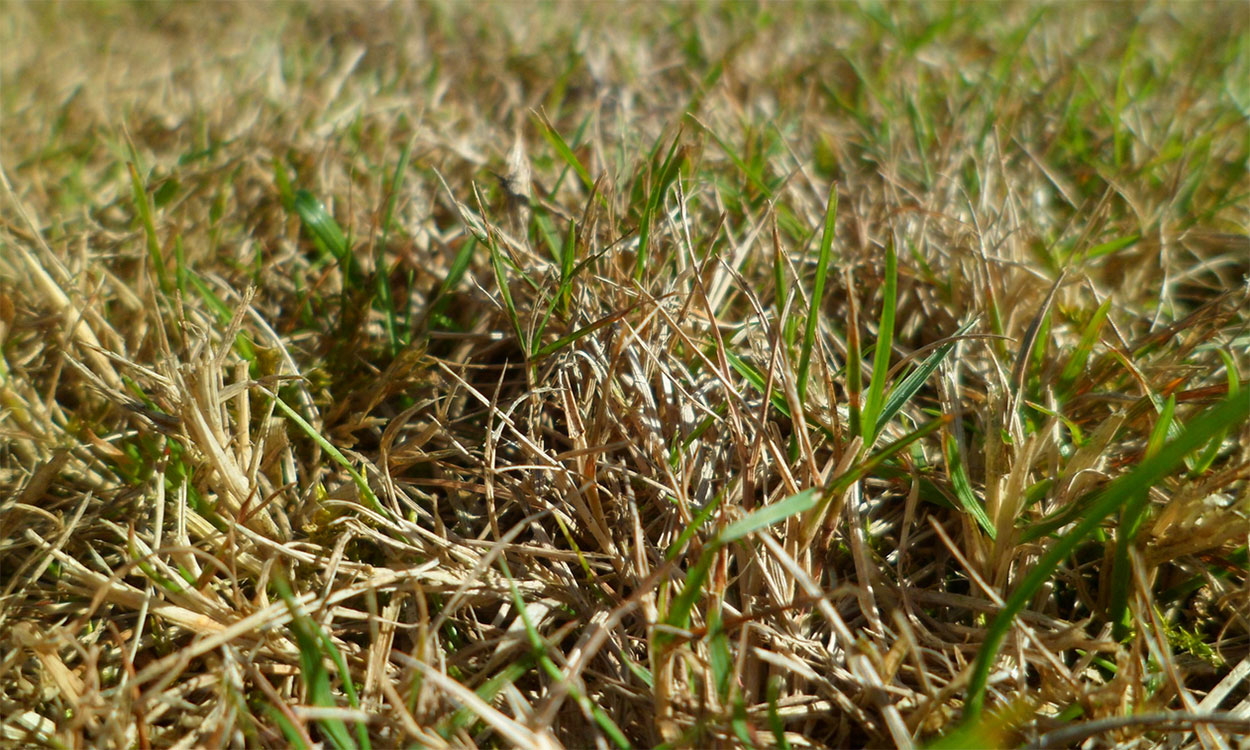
(683, 376)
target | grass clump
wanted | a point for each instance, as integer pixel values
(744, 375)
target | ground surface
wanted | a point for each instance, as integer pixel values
(605, 375)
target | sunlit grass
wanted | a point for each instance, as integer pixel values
(679, 376)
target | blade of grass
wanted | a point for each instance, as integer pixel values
(1020, 370)
(144, 206)
(963, 488)
(568, 258)
(1204, 461)
(313, 673)
(361, 484)
(915, 380)
(719, 657)
(692, 528)
(565, 340)
(768, 515)
(562, 148)
(882, 349)
(753, 176)
(501, 278)
(678, 616)
(1114, 246)
(287, 727)
(683, 444)
(538, 648)
(568, 262)
(741, 725)
(1126, 533)
(655, 200)
(458, 267)
(185, 278)
(818, 293)
(464, 717)
(390, 320)
(775, 722)
(854, 365)
(1128, 488)
(778, 399)
(282, 181)
(756, 379)
(1080, 355)
(841, 483)
(327, 235)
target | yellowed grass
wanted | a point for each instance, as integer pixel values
(233, 466)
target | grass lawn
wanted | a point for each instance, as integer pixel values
(624, 375)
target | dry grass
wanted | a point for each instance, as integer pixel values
(447, 375)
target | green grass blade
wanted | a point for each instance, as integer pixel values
(568, 262)
(180, 267)
(778, 399)
(361, 484)
(288, 729)
(681, 444)
(768, 515)
(1163, 428)
(567, 339)
(1224, 415)
(1204, 461)
(282, 181)
(562, 148)
(775, 722)
(349, 689)
(882, 349)
(488, 692)
(538, 648)
(915, 380)
(435, 312)
(756, 379)
(753, 176)
(655, 201)
(1080, 355)
(242, 343)
(458, 267)
(963, 489)
(143, 205)
(818, 293)
(1130, 522)
(719, 657)
(854, 371)
(693, 527)
(309, 640)
(567, 259)
(679, 612)
(501, 278)
(861, 470)
(1114, 246)
(741, 725)
(390, 320)
(327, 235)
(874, 462)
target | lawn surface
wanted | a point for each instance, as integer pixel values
(704, 375)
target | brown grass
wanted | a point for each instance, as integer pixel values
(252, 494)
